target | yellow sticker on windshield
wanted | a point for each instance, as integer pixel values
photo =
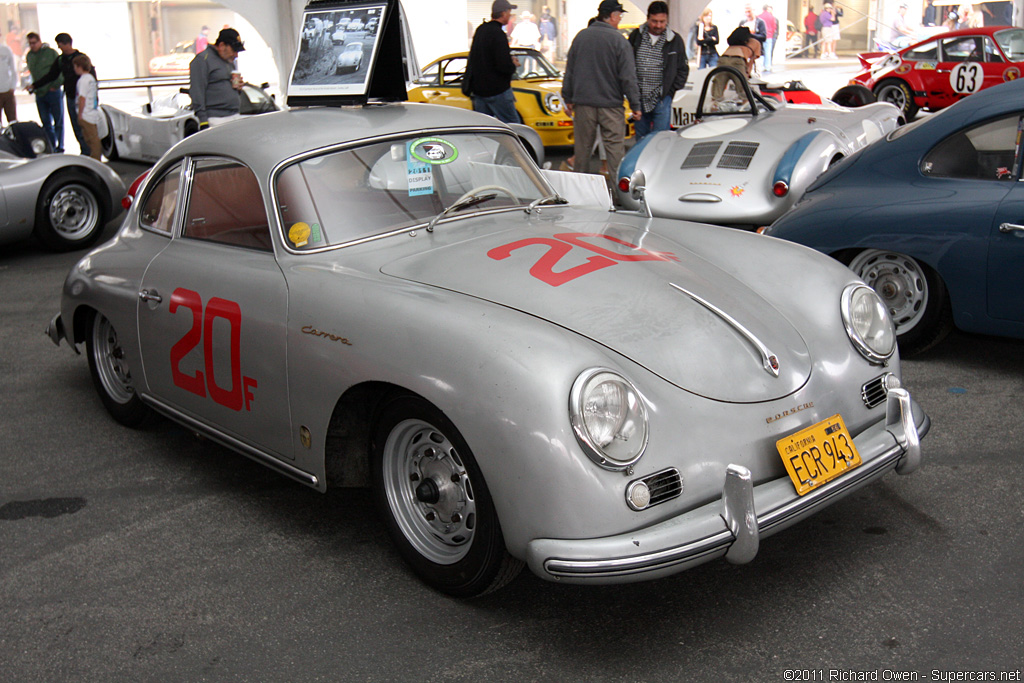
(299, 234)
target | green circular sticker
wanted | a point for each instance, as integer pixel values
(434, 151)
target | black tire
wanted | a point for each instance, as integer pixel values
(71, 211)
(433, 496)
(898, 93)
(111, 374)
(109, 143)
(914, 294)
(853, 96)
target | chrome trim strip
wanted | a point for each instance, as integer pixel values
(640, 563)
(768, 359)
(234, 444)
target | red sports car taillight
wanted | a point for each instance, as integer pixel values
(780, 189)
(624, 184)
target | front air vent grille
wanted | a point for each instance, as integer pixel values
(664, 485)
(738, 155)
(874, 392)
(701, 155)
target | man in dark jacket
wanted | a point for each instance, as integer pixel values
(491, 66)
(214, 82)
(661, 68)
(600, 73)
(63, 67)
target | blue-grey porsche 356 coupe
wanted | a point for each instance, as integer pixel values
(932, 217)
(398, 296)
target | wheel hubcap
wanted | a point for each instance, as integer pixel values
(899, 280)
(74, 212)
(894, 96)
(429, 491)
(111, 367)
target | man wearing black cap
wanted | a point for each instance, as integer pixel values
(214, 81)
(599, 73)
(491, 66)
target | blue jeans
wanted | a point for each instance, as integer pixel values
(51, 113)
(501, 106)
(769, 45)
(75, 126)
(708, 61)
(654, 121)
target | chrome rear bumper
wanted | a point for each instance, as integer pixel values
(731, 526)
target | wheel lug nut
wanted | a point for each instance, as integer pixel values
(414, 477)
(429, 452)
(456, 518)
(430, 516)
(455, 477)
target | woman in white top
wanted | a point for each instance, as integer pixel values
(88, 104)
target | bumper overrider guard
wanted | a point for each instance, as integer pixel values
(731, 526)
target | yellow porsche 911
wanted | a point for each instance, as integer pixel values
(537, 86)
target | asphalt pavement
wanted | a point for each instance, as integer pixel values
(154, 555)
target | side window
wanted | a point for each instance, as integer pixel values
(431, 75)
(991, 51)
(157, 212)
(929, 52)
(967, 49)
(226, 206)
(454, 70)
(985, 152)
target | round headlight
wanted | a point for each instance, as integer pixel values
(609, 418)
(38, 146)
(868, 323)
(553, 103)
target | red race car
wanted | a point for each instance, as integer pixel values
(941, 70)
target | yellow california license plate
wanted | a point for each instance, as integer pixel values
(818, 454)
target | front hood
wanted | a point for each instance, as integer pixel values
(611, 281)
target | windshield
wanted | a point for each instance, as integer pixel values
(1012, 42)
(349, 195)
(533, 65)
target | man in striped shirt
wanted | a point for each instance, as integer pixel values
(661, 68)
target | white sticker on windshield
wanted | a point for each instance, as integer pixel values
(419, 175)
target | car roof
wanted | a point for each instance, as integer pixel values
(263, 141)
(465, 53)
(977, 31)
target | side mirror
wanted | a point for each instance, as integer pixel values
(637, 185)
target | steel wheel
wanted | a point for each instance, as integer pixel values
(429, 491)
(915, 296)
(70, 213)
(74, 211)
(436, 504)
(111, 374)
(111, 367)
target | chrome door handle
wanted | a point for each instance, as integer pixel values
(1010, 227)
(146, 295)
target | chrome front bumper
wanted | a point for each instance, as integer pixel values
(731, 526)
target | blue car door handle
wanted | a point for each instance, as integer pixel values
(1010, 227)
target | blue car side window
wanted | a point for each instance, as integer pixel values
(984, 152)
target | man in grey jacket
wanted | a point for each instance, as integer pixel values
(661, 68)
(599, 74)
(214, 82)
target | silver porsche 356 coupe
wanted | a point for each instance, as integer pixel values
(398, 296)
(747, 159)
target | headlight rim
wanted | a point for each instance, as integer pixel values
(583, 437)
(859, 343)
(556, 108)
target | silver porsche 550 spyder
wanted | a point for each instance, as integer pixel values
(748, 158)
(64, 200)
(520, 377)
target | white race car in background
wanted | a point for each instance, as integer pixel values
(351, 58)
(145, 134)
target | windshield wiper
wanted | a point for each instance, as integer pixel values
(545, 201)
(471, 200)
